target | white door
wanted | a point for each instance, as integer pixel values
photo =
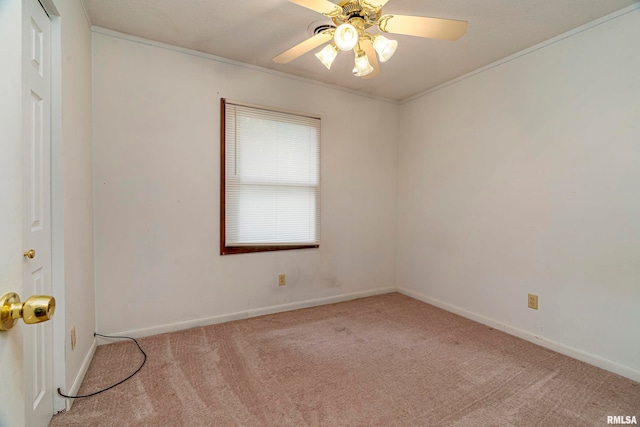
(38, 338)
(11, 342)
(25, 218)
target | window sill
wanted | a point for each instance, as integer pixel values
(230, 250)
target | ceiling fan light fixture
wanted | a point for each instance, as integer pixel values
(385, 47)
(353, 19)
(327, 55)
(346, 37)
(362, 67)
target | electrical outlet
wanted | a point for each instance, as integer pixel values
(533, 301)
(282, 279)
(73, 338)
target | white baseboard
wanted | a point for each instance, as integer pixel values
(77, 382)
(172, 327)
(600, 362)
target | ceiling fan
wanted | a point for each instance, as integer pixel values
(352, 18)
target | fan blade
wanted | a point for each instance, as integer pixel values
(434, 28)
(321, 6)
(367, 46)
(375, 3)
(302, 48)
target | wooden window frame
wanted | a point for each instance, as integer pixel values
(229, 250)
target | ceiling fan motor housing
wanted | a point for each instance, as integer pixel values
(357, 9)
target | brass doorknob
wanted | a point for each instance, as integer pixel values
(30, 254)
(36, 309)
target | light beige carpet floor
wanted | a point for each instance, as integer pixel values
(382, 361)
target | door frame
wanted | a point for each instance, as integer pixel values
(58, 288)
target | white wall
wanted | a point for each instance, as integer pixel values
(156, 162)
(75, 192)
(12, 409)
(525, 178)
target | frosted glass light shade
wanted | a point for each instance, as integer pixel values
(362, 67)
(346, 37)
(385, 47)
(327, 55)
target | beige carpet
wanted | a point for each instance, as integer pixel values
(382, 361)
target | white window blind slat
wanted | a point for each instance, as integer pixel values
(272, 177)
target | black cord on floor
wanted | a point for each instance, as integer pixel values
(119, 382)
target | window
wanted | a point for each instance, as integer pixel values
(270, 179)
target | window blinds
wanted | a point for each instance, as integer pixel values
(272, 177)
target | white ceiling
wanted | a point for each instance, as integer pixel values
(254, 31)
